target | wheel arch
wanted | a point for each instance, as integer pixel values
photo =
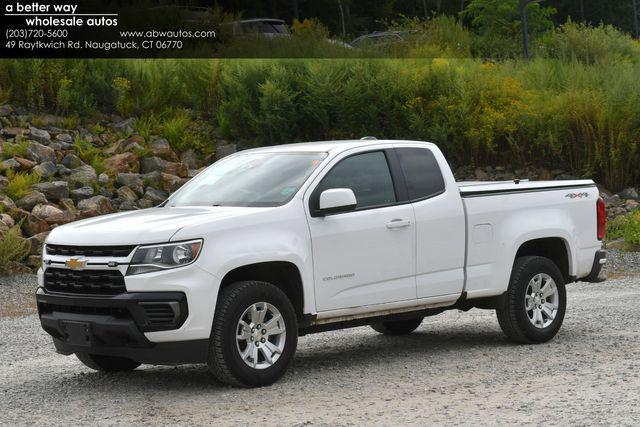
(283, 274)
(557, 249)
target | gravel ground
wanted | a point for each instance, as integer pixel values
(455, 369)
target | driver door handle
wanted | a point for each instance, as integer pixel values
(398, 223)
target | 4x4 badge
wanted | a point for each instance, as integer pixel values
(577, 195)
(75, 263)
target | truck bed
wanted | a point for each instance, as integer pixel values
(481, 188)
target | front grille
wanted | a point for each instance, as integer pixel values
(89, 251)
(100, 282)
(159, 314)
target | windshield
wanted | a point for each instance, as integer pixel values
(252, 179)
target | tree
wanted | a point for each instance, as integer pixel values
(636, 24)
(503, 22)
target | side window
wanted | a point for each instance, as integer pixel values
(367, 175)
(421, 172)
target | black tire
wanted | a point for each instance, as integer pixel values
(107, 363)
(512, 314)
(397, 327)
(224, 359)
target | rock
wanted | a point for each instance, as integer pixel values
(613, 200)
(125, 162)
(67, 204)
(82, 193)
(6, 204)
(190, 159)
(155, 196)
(65, 138)
(481, 175)
(41, 153)
(125, 126)
(144, 203)
(25, 164)
(63, 217)
(6, 222)
(105, 192)
(631, 205)
(115, 148)
(46, 170)
(72, 161)
(126, 194)
(82, 176)
(152, 164)
(5, 110)
(40, 135)
(225, 150)
(103, 179)
(34, 262)
(10, 164)
(32, 225)
(97, 205)
(171, 183)
(13, 132)
(45, 211)
(629, 193)
(194, 172)
(175, 168)
(37, 242)
(161, 148)
(127, 205)
(30, 200)
(153, 179)
(63, 170)
(546, 175)
(131, 180)
(54, 191)
(4, 181)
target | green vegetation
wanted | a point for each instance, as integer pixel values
(19, 149)
(575, 106)
(90, 154)
(13, 248)
(20, 184)
(627, 228)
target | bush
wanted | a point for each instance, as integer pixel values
(626, 227)
(90, 154)
(20, 184)
(587, 44)
(13, 248)
(18, 149)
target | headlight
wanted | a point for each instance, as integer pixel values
(163, 257)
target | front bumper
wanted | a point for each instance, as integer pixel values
(116, 325)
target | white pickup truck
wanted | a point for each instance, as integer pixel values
(273, 243)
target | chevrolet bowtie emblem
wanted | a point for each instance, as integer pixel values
(75, 263)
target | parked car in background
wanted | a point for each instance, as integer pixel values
(380, 39)
(262, 27)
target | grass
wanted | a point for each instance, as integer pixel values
(90, 154)
(18, 149)
(13, 248)
(19, 184)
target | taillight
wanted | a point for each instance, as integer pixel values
(602, 218)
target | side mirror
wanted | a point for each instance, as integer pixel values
(337, 200)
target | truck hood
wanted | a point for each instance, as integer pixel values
(154, 225)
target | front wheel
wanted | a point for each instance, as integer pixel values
(533, 308)
(107, 363)
(254, 335)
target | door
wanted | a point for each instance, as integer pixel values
(366, 256)
(440, 223)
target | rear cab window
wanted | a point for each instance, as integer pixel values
(421, 171)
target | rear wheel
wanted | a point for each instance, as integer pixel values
(397, 327)
(254, 335)
(107, 363)
(534, 305)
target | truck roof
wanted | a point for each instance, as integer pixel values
(333, 146)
